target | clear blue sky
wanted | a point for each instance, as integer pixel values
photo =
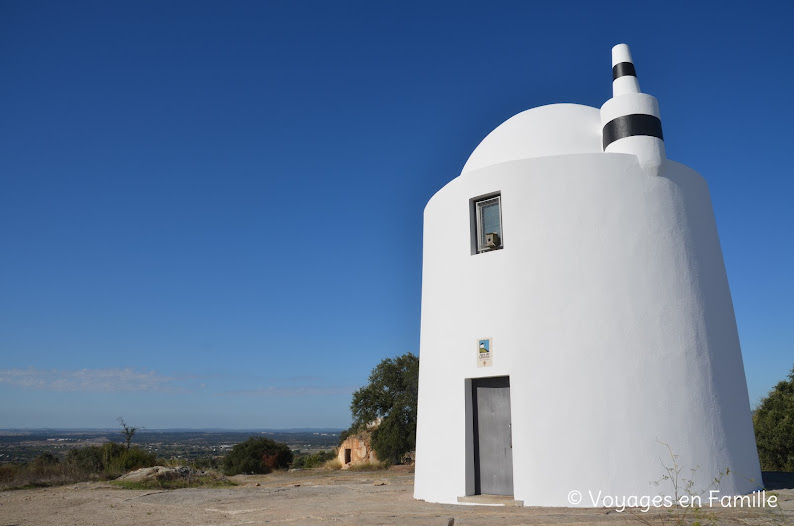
(211, 212)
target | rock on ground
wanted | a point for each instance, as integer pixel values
(160, 473)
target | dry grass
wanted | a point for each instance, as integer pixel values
(369, 466)
(332, 464)
(335, 464)
(24, 476)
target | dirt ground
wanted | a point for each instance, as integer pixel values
(316, 497)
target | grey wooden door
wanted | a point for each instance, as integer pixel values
(493, 444)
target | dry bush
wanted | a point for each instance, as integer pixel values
(80, 465)
(271, 460)
(369, 466)
(332, 465)
(32, 475)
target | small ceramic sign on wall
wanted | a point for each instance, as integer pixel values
(484, 352)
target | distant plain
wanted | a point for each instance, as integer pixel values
(22, 445)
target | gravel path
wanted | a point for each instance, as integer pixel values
(364, 498)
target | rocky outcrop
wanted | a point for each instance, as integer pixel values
(161, 473)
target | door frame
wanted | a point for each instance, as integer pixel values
(471, 449)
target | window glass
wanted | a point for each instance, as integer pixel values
(489, 221)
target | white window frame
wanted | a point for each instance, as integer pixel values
(479, 242)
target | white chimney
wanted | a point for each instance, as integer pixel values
(630, 120)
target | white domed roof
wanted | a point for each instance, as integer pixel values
(555, 129)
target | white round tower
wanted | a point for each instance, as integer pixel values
(576, 316)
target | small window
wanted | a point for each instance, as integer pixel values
(488, 223)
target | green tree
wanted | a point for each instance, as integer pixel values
(774, 427)
(390, 396)
(257, 455)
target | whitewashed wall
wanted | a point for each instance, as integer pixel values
(609, 309)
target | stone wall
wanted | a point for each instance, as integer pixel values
(357, 449)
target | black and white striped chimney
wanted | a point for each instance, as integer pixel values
(630, 119)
